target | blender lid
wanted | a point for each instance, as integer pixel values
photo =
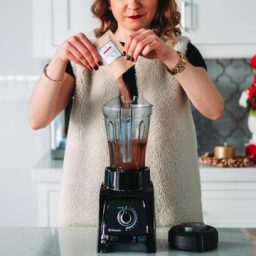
(138, 108)
(193, 236)
(137, 102)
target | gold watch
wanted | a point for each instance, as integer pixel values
(180, 66)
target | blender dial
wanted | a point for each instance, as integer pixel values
(127, 217)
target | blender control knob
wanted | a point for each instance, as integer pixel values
(127, 217)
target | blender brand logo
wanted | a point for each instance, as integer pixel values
(114, 230)
(109, 52)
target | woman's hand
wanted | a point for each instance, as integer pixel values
(147, 44)
(80, 50)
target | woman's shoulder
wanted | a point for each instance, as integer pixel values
(192, 53)
(194, 56)
(181, 43)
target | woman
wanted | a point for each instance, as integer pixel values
(163, 76)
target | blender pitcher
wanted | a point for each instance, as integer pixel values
(127, 130)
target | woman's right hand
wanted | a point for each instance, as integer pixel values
(80, 50)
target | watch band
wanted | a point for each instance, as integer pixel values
(180, 66)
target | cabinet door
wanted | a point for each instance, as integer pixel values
(225, 25)
(56, 20)
(71, 17)
(48, 202)
(229, 209)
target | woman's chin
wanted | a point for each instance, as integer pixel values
(135, 26)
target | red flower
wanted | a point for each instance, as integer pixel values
(251, 151)
(251, 92)
(253, 61)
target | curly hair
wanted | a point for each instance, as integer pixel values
(165, 23)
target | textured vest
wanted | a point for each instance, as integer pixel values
(171, 149)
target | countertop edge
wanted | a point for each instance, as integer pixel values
(49, 170)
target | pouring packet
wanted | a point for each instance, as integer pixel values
(110, 50)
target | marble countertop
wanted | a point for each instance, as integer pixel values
(49, 170)
(37, 241)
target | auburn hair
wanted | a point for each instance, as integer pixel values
(165, 23)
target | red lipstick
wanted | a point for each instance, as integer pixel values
(135, 17)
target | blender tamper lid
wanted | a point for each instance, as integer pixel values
(193, 236)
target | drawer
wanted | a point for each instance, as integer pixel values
(229, 209)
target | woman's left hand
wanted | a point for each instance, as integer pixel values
(147, 44)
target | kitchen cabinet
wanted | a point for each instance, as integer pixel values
(48, 199)
(228, 194)
(56, 20)
(220, 28)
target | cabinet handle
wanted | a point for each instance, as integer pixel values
(68, 15)
(184, 5)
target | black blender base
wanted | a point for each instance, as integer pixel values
(115, 236)
(127, 216)
(130, 245)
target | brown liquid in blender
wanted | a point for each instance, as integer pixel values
(124, 93)
(138, 155)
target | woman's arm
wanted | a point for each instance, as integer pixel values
(199, 88)
(49, 96)
(194, 80)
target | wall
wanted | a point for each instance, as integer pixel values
(16, 44)
(20, 147)
(231, 76)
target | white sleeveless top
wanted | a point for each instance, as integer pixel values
(171, 149)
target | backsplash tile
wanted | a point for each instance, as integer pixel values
(231, 76)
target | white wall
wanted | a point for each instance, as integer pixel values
(20, 147)
(16, 44)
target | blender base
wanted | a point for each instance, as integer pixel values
(126, 217)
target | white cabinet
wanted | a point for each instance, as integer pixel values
(229, 204)
(48, 200)
(56, 20)
(220, 28)
(225, 203)
(228, 194)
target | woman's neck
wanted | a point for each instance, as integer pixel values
(123, 34)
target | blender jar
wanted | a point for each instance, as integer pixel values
(127, 130)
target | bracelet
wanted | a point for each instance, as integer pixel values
(180, 66)
(53, 80)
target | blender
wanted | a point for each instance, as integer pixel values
(126, 203)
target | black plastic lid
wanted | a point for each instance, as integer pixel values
(127, 179)
(193, 236)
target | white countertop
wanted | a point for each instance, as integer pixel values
(83, 241)
(48, 170)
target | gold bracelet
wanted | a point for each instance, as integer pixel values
(180, 66)
(53, 80)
